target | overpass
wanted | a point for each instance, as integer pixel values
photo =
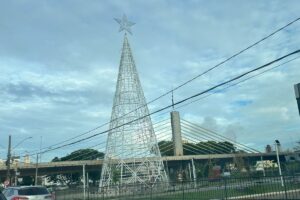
(171, 162)
(92, 165)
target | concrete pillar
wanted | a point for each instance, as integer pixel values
(194, 173)
(176, 133)
(8, 161)
(84, 180)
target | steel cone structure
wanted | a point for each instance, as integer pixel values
(132, 155)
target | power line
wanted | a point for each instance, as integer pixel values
(159, 136)
(224, 61)
(186, 99)
(156, 127)
(51, 147)
(244, 80)
(228, 86)
(236, 54)
(183, 84)
(237, 77)
(214, 133)
(181, 101)
(93, 153)
(87, 154)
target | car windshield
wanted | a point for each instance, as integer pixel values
(33, 191)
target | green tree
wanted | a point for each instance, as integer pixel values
(297, 147)
(166, 148)
(192, 149)
(27, 180)
(83, 154)
(74, 178)
(226, 147)
(207, 147)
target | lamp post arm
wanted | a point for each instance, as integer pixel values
(21, 142)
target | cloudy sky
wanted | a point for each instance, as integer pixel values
(59, 63)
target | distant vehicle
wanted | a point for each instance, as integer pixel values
(27, 193)
(60, 187)
(226, 174)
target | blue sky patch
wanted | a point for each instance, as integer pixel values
(242, 102)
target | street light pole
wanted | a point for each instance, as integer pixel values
(84, 180)
(8, 159)
(21, 142)
(297, 94)
(37, 162)
(277, 144)
(36, 169)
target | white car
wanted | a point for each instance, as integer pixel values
(27, 193)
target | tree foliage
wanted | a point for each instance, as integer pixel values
(200, 148)
(81, 154)
(166, 148)
(74, 178)
(28, 180)
(297, 147)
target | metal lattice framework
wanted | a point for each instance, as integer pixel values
(132, 154)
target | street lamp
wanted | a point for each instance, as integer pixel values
(277, 145)
(9, 156)
(16, 157)
(21, 142)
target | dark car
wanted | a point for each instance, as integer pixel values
(2, 197)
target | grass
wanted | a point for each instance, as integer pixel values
(208, 190)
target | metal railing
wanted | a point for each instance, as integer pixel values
(271, 187)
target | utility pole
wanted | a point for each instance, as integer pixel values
(37, 162)
(297, 94)
(41, 149)
(277, 144)
(36, 169)
(8, 159)
(84, 180)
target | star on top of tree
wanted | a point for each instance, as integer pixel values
(124, 24)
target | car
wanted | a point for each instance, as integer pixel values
(27, 193)
(2, 197)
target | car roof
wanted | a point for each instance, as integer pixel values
(25, 186)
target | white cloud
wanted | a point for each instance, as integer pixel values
(59, 66)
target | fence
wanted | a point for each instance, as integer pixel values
(271, 187)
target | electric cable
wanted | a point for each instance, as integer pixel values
(237, 83)
(184, 83)
(181, 101)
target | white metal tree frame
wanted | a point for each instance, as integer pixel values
(132, 155)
